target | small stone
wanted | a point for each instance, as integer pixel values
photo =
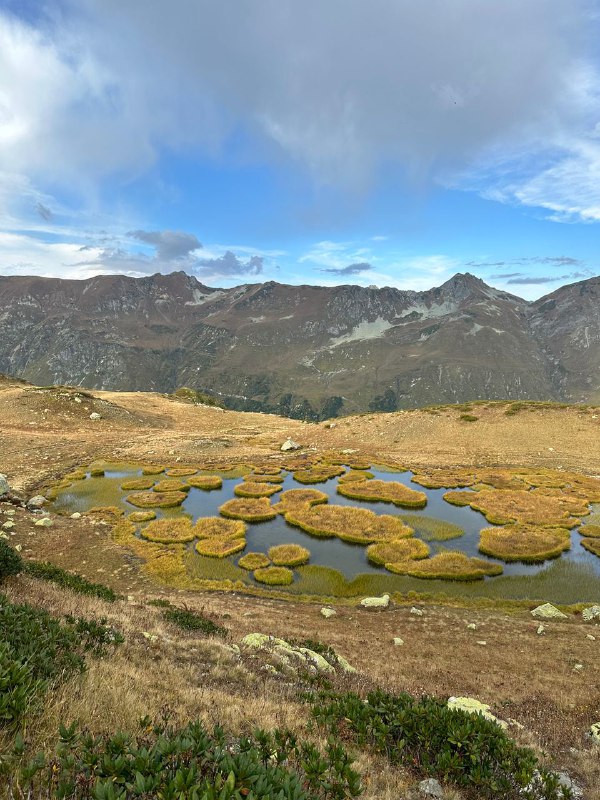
(376, 602)
(36, 502)
(76, 515)
(328, 612)
(431, 788)
(290, 444)
(548, 611)
(588, 614)
(8, 524)
(4, 485)
(590, 637)
(482, 643)
(44, 522)
(471, 626)
(541, 630)
(398, 641)
(473, 706)
(577, 667)
(10, 513)
(416, 611)
(95, 416)
(130, 598)
(595, 732)
(18, 547)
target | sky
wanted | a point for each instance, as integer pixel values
(387, 143)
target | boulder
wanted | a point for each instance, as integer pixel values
(37, 501)
(431, 788)
(44, 522)
(376, 602)
(548, 611)
(4, 485)
(289, 657)
(328, 612)
(473, 706)
(590, 613)
(290, 444)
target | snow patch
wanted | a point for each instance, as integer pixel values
(477, 327)
(363, 331)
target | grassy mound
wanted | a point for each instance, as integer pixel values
(445, 478)
(356, 475)
(216, 547)
(252, 509)
(527, 543)
(105, 512)
(206, 482)
(252, 561)
(591, 545)
(447, 567)
(156, 499)
(258, 477)
(274, 576)
(318, 474)
(268, 470)
(181, 472)
(141, 516)
(504, 506)
(251, 489)
(356, 525)
(137, 484)
(169, 531)
(590, 531)
(152, 469)
(431, 529)
(294, 499)
(383, 553)
(171, 485)
(218, 528)
(387, 492)
(289, 555)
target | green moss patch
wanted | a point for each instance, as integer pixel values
(219, 528)
(252, 561)
(248, 489)
(141, 516)
(169, 531)
(137, 484)
(448, 566)
(206, 482)
(274, 576)
(527, 543)
(156, 499)
(289, 555)
(251, 509)
(171, 485)
(384, 491)
(356, 525)
(383, 553)
(219, 548)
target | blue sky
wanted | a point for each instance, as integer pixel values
(393, 144)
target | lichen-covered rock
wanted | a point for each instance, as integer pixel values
(473, 706)
(292, 657)
(328, 612)
(595, 733)
(44, 522)
(290, 444)
(37, 501)
(398, 641)
(548, 611)
(593, 612)
(376, 602)
(431, 788)
(4, 485)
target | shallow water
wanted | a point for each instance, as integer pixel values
(340, 569)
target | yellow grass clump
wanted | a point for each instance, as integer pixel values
(141, 516)
(252, 561)
(152, 469)
(591, 545)
(383, 553)
(385, 491)
(156, 499)
(97, 472)
(356, 475)
(530, 544)
(216, 547)
(170, 531)
(299, 498)
(274, 576)
(356, 525)
(219, 528)
(137, 484)
(258, 477)
(249, 489)
(449, 566)
(289, 555)
(205, 482)
(181, 472)
(268, 470)
(318, 474)
(444, 478)
(171, 485)
(590, 531)
(105, 511)
(251, 509)
(503, 506)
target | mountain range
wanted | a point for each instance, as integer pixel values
(304, 351)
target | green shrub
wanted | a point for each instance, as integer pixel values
(468, 418)
(193, 621)
(11, 562)
(465, 749)
(187, 764)
(49, 572)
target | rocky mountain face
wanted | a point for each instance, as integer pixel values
(306, 351)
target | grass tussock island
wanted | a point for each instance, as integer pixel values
(171, 485)
(289, 555)
(383, 553)
(141, 516)
(259, 477)
(152, 469)
(355, 525)
(294, 499)
(505, 506)
(529, 544)
(216, 547)
(274, 576)
(252, 509)
(181, 472)
(591, 545)
(105, 512)
(217, 527)
(137, 484)
(206, 482)
(251, 489)
(590, 531)
(355, 475)
(170, 531)
(318, 474)
(156, 499)
(252, 561)
(448, 566)
(384, 491)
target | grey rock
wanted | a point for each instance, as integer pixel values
(44, 522)
(595, 732)
(548, 611)
(95, 416)
(37, 501)
(290, 444)
(416, 611)
(376, 602)
(431, 788)
(4, 485)
(398, 641)
(590, 613)
(328, 612)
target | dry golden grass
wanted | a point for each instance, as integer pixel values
(170, 531)
(217, 527)
(274, 576)
(156, 499)
(258, 477)
(216, 547)
(105, 512)
(385, 491)
(137, 484)
(151, 469)
(299, 498)
(181, 472)
(289, 555)
(527, 543)
(248, 489)
(268, 470)
(448, 566)
(141, 516)
(252, 561)
(356, 525)
(252, 509)
(171, 485)
(445, 478)
(590, 531)
(503, 506)
(205, 482)
(318, 474)
(591, 545)
(356, 475)
(384, 553)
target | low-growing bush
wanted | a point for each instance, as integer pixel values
(69, 580)
(11, 562)
(193, 621)
(468, 418)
